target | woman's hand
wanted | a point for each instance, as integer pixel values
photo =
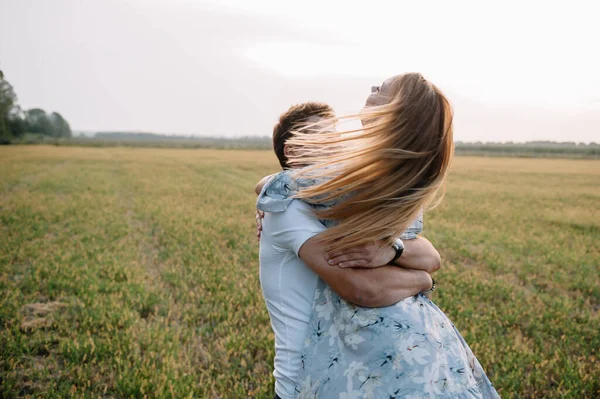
(375, 254)
(259, 217)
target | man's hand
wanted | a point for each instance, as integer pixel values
(375, 254)
(419, 254)
(259, 217)
(372, 287)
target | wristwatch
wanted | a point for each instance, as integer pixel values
(398, 246)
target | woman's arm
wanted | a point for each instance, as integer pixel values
(261, 183)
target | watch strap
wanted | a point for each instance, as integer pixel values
(398, 245)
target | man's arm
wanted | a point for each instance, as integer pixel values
(419, 254)
(378, 287)
(297, 229)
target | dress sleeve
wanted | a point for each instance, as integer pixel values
(415, 228)
(277, 194)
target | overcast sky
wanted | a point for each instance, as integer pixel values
(514, 71)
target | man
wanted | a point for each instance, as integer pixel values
(292, 260)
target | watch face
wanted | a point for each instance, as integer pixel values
(398, 246)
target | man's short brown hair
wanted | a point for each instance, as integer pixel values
(290, 120)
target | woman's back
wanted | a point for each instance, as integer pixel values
(407, 350)
(410, 349)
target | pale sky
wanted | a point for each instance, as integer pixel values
(514, 71)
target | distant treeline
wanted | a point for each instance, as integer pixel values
(530, 149)
(129, 139)
(179, 141)
(16, 124)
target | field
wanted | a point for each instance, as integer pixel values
(131, 272)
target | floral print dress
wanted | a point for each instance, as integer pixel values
(407, 350)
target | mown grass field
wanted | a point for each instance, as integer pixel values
(131, 272)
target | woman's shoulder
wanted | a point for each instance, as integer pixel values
(280, 185)
(281, 189)
(414, 229)
(277, 193)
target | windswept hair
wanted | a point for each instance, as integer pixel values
(384, 173)
(295, 118)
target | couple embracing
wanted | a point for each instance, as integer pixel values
(344, 272)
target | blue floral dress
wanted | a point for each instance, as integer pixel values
(407, 350)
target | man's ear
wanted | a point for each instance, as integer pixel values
(288, 151)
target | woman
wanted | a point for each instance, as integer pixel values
(369, 186)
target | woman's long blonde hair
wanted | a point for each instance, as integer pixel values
(384, 173)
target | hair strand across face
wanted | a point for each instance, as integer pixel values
(385, 174)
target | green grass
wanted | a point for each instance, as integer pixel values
(128, 272)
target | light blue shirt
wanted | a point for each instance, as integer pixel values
(407, 350)
(279, 192)
(288, 287)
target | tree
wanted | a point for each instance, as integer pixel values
(8, 103)
(36, 121)
(53, 125)
(61, 127)
(15, 123)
